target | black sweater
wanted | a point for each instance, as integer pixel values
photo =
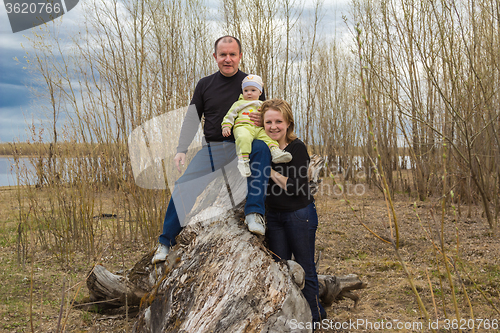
(213, 97)
(297, 194)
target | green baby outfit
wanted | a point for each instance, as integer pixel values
(244, 128)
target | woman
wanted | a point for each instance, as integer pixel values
(291, 214)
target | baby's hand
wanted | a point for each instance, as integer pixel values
(226, 131)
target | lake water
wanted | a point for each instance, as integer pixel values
(6, 177)
(8, 173)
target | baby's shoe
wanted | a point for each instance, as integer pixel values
(280, 156)
(244, 168)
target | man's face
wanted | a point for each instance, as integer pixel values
(228, 57)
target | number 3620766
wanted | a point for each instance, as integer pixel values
(33, 7)
(471, 324)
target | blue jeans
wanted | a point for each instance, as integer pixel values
(211, 158)
(295, 233)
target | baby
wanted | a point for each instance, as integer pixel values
(244, 128)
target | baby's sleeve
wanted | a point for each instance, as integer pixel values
(230, 117)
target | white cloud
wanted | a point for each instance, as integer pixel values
(10, 41)
(10, 86)
(13, 124)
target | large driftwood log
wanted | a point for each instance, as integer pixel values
(317, 163)
(218, 278)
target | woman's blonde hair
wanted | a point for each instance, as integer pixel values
(282, 106)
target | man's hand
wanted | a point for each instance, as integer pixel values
(226, 131)
(179, 157)
(255, 117)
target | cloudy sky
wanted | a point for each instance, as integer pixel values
(16, 100)
(17, 106)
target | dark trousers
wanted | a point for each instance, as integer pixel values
(203, 169)
(295, 233)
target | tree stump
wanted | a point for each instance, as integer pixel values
(218, 278)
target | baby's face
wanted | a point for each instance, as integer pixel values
(251, 93)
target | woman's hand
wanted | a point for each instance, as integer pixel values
(279, 179)
(226, 131)
(255, 117)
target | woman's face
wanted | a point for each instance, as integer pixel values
(275, 125)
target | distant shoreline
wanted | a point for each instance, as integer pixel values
(18, 156)
(66, 149)
(8, 187)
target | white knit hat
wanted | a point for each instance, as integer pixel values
(252, 81)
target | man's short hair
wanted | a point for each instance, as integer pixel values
(226, 39)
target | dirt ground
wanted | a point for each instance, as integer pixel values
(346, 247)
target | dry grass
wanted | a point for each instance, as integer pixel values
(49, 271)
(349, 248)
(346, 247)
(22, 148)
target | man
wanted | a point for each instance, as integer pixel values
(212, 98)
